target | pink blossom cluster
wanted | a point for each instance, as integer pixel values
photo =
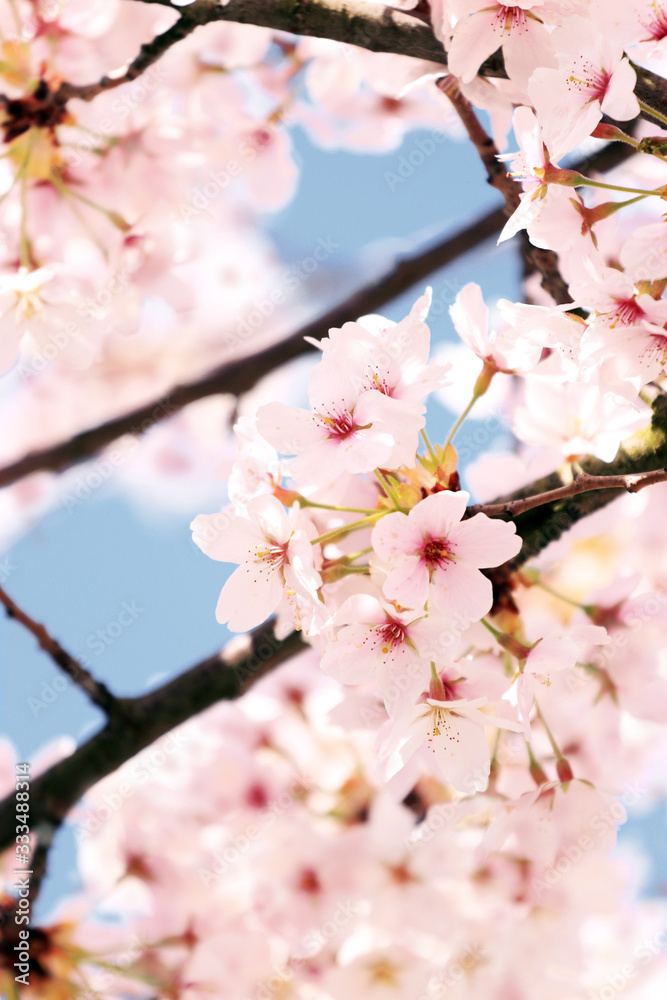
(424, 802)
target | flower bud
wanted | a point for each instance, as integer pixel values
(563, 770)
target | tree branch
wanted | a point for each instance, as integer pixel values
(544, 261)
(149, 53)
(241, 375)
(644, 452)
(228, 674)
(370, 26)
(98, 692)
(224, 676)
(583, 483)
(374, 27)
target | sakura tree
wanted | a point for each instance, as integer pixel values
(404, 776)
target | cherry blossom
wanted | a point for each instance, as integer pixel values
(374, 640)
(432, 556)
(390, 357)
(365, 413)
(423, 800)
(518, 346)
(478, 31)
(555, 651)
(593, 78)
(275, 553)
(578, 419)
(452, 731)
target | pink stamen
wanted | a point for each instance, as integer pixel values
(588, 78)
(627, 312)
(510, 19)
(436, 553)
(656, 25)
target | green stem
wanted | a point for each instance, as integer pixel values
(15, 15)
(85, 225)
(508, 642)
(651, 111)
(114, 217)
(588, 182)
(23, 229)
(390, 491)
(588, 608)
(345, 529)
(450, 438)
(494, 631)
(496, 748)
(359, 554)
(554, 746)
(428, 444)
(345, 510)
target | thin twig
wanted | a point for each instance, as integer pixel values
(582, 483)
(98, 692)
(374, 27)
(149, 53)
(544, 261)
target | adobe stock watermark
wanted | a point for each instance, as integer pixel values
(444, 815)
(250, 145)
(441, 648)
(129, 97)
(97, 642)
(92, 309)
(291, 278)
(310, 945)
(101, 470)
(465, 962)
(130, 778)
(101, 981)
(223, 860)
(643, 954)
(632, 618)
(7, 567)
(408, 163)
(589, 839)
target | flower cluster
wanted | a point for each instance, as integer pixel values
(384, 595)
(423, 802)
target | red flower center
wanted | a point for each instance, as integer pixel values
(340, 425)
(392, 632)
(590, 79)
(437, 553)
(656, 24)
(510, 18)
(627, 312)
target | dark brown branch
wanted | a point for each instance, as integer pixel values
(644, 452)
(228, 674)
(149, 53)
(239, 376)
(369, 26)
(98, 692)
(224, 676)
(544, 261)
(374, 27)
(583, 483)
